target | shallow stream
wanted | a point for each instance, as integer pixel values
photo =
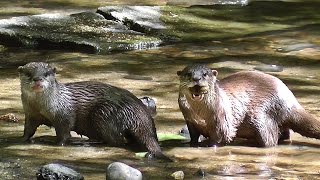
(293, 47)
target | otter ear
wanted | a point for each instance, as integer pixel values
(179, 73)
(20, 69)
(215, 72)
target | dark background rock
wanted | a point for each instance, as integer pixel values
(86, 31)
(144, 19)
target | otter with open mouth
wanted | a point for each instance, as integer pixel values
(198, 92)
(250, 104)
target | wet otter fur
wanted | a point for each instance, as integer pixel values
(97, 110)
(249, 104)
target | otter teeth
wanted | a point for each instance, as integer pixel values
(197, 97)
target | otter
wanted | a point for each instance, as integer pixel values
(248, 104)
(97, 110)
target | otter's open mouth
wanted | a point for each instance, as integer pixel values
(197, 97)
(198, 92)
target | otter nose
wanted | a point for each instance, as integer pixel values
(196, 78)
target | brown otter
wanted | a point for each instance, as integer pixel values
(97, 110)
(249, 104)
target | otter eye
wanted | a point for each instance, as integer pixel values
(48, 73)
(188, 75)
(28, 74)
(205, 74)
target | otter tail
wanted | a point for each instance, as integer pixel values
(305, 124)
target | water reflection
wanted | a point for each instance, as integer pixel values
(154, 71)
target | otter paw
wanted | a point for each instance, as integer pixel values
(150, 156)
(27, 140)
(159, 156)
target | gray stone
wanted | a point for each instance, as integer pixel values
(269, 68)
(178, 175)
(150, 103)
(184, 131)
(57, 172)
(297, 47)
(121, 171)
(139, 18)
(86, 31)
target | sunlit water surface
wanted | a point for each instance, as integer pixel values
(153, 73)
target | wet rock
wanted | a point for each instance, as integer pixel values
(57, 172)
(121, 171)
(297, 47)
(178, 175)
(151, 105)
(10, 117)
(269, 68)
(138, 18)
(87, 32)
(202, 173)
(185, 132)
(10, 169)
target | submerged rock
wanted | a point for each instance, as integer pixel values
(297, 47)
(121, 171)
(87, 31)
(10, 117)
(10, 168)
(269, 68)
(201, 172)
(178, 175)
(57, 172)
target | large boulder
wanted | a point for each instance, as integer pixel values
(86, 31)
(121, 171)
(144, 19)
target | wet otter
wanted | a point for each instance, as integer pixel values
(96, 110)
(249, 104)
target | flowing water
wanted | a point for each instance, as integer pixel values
(293, 51)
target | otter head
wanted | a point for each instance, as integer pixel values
(197, 79)
(36, 76)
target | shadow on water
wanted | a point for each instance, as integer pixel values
(262, 12)
(202, 23)
(227, 38)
